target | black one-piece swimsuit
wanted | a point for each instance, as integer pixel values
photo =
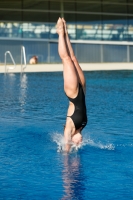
(79, 116)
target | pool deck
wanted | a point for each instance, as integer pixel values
(59, 67)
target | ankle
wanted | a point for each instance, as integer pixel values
(60, 31)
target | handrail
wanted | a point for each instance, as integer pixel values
(8, 52)
(23, 56)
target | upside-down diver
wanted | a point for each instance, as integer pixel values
(74, 87)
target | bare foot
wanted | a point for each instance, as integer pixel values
(60, 26)
(65, 26)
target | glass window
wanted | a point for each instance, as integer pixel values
(54, 56)
(114, 8)
(89, 53)
(131, 53)
(53, 17)
(88, 0)
(88, 18)
(10, 15)
(71, 24)
(115, 1)
(130, 9)
(88, 27)
(114, 53)
(88, 7)
(55, 5)
(70, 17)
(35, 16)
(68, 6)
(130, 1)
(36, 4)
(12, 46)
(38, 48)
(52, 25)
(35, 30)
(11, 4)
(114, 28)
(52, 31)
(10, 29)
(130, 28)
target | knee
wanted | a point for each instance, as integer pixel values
(73, 57)
(66, 58)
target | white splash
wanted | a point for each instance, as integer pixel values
(59, 140)
(100, 145)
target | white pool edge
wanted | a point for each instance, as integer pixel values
(59, 67)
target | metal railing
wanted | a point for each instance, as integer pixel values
(10, 67)
(23, 57)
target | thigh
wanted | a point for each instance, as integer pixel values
(79, 72)
(70, 78)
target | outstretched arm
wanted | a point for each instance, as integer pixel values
(68, 140)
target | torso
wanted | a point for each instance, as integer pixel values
(77, 109)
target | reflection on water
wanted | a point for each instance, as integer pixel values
(73, 178)
(23, 90)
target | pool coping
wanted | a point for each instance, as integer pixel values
(59, 67)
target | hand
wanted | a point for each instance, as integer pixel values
(77, 138)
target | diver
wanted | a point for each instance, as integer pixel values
(74, 87)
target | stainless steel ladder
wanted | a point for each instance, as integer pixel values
(11, 67)
(23, 57)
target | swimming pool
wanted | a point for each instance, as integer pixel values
(32, 166)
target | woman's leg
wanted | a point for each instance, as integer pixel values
(69, 70)
(77, 137)
(74, 59)
(70, 81)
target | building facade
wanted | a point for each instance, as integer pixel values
(100, 30)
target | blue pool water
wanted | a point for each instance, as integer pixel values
(32, 113)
